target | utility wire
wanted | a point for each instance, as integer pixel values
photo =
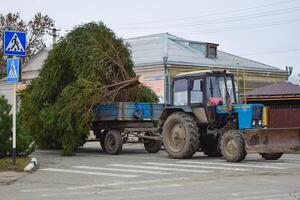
(273, 52)
(211, 14)
(237, 28)
(220, 20)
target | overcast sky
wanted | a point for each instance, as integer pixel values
(267, 31)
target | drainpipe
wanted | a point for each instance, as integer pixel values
(165, 61)
(166, 85)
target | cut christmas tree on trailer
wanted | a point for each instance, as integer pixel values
(90, 65)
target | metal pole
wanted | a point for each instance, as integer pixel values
(244, 88)
(238, 81)
(54, 34)
(14, 128)
(166, 86)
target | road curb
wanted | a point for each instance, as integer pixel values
(32, 165)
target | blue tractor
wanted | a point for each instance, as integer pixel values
(205, 114)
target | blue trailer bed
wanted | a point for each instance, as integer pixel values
(127, 111)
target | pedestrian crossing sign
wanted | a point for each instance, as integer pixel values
(14, 43)
(13, 70)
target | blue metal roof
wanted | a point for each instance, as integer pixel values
(150, 50)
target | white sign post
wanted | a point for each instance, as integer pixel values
(14, 45)
(14, 128)
(13, 71)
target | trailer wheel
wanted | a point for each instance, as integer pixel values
(113, 142)
(180, 135)
(271, 156)
(233, 146)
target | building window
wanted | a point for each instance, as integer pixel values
(211, 50)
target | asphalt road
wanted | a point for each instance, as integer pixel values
(135, 174)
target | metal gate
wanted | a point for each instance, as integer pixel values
(284, 116)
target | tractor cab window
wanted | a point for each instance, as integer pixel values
(196, 92)
(181, 92)
(216, 90)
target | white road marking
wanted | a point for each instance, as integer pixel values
(147, 188)
(233, 164)
(120, 170)
(119, 183)
(88, 173)
(198, 166)
(251, 193)
(158, 168)
(264, 197)
(287, 164)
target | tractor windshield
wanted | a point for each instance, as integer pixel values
(216, 90)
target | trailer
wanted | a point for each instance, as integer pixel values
(127, 122)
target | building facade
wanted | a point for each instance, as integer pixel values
(160, 57)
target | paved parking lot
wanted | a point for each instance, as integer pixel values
(135, 174)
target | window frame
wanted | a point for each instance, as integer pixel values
(192, 81)
(234, 98)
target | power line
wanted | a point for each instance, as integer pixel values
(220, 20)
(273, 52)
(211, 14)
(229, 29)
(239, 28)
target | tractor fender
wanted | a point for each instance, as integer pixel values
(199, 114)
(169, 110)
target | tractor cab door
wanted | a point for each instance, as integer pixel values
(216, 95)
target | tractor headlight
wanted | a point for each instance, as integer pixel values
(253, 123)
(259, 122)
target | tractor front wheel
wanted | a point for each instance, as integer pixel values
(271, 156)
(233, 146)
(180, 135)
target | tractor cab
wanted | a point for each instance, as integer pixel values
(207, 88)
(215, 93)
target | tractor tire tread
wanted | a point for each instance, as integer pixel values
(239, 139)
(193, 132)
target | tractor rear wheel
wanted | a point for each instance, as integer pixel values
(271, 156)
(233, 146)
(113, 142)
(180, 135)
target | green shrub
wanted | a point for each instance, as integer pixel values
(24, 143)
(5, 126)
